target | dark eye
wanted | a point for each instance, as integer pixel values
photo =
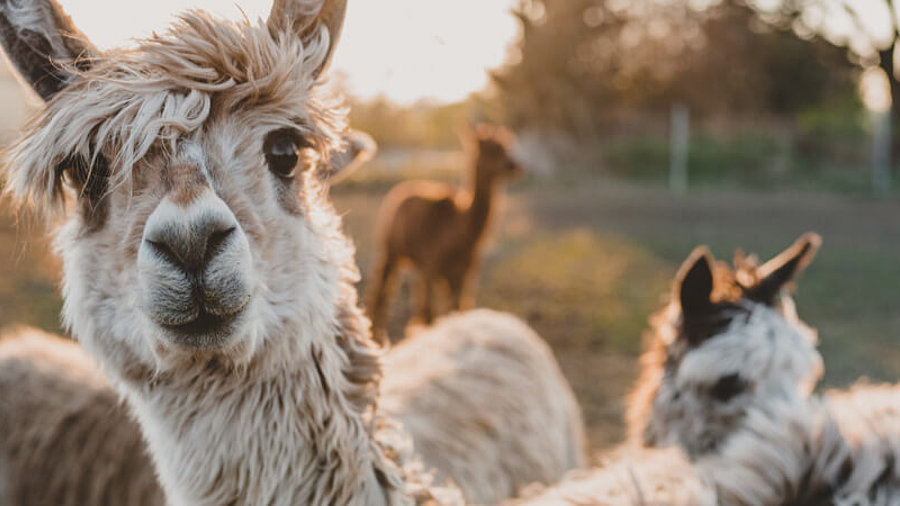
(728, 387)
(282, 150)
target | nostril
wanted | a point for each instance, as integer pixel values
(216, 242)
(189, 251)
(164, 250)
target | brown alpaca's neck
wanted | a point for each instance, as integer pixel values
(221, 436)
(478, 212)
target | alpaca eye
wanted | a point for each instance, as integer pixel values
(282, 150)
(728, 387)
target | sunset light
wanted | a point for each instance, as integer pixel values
(405, 50)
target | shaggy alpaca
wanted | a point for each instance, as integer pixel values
(728, 341)
(462, 362)
(204, 265)
(438, 230)
(66, 438)
(729, 377)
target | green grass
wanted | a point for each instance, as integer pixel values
(599, 288)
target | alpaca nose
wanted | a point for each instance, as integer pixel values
(193, 247)
(190, 237)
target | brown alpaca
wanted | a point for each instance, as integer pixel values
(438, 229)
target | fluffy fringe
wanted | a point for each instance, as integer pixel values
(129, 102)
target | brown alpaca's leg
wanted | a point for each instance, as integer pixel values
(424, 298)
(461, 292)
(380, 295)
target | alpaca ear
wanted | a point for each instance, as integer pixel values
(484, 132)
(308, 19)
(40, 40)
(694, 283)
(359, 147)
(775, 274)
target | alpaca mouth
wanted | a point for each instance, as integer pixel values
(204, 331)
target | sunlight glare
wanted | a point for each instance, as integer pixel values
(406, 50)
(875, 90)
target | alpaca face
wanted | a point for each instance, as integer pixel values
(732, 342)
(202, 226)
(495, 159)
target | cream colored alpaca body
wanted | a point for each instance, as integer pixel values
(485, 403)
(65, 436)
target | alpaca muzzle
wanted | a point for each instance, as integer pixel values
(194, 270)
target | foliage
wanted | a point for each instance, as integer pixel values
(584, 65)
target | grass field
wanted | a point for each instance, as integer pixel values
(586, 264)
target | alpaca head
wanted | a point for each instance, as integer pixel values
(200, 227)
(495, 161)
(729, 341)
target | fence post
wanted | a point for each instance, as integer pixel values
(679, 138)
(881, 153)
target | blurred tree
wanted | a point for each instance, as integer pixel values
(869, 30)
(586, 65)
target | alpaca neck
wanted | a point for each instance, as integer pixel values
(479, 209)
(257, 436)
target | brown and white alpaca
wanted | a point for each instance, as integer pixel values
(66, 437)
(439, 230)
(204, 265)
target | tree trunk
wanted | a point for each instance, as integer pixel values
(886, 62)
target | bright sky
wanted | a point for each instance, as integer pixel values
(405, 49)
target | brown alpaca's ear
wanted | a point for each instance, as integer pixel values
(308, 19)
(358, 148)
(775, 274)
(694, 284)
(41, 41)
(484, 132)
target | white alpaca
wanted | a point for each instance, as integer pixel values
(204, 266)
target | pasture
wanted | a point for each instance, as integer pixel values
(586, 263)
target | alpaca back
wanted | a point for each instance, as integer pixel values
(638, 477)
(869, 421)
(486, 404)
(65, 438)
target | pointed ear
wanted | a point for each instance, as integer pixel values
(781, 270)
(310, 20)
(40, 40)
(694, 283)
(359, 147)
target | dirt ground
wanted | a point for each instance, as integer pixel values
(586, 265)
